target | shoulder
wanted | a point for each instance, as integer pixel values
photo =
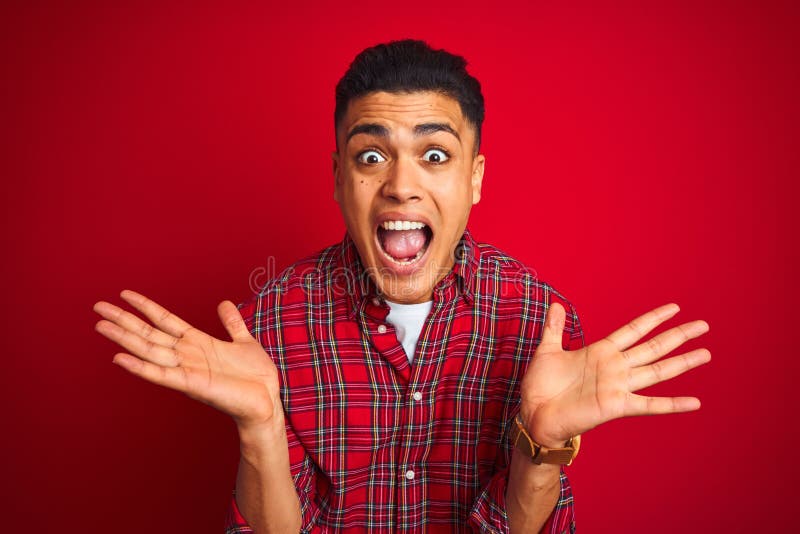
(516, 277)
(502, 276)
(293, 281)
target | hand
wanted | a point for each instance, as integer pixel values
(565, 393)
(236, 377)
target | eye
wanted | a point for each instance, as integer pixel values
(371, 157)
(435, 155)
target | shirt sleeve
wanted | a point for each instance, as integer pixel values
(304, 476)
(234, 522)
(302, 467)
(489, 513)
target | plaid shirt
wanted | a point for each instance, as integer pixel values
(380, 445)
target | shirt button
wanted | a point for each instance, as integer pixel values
(410, 474)
(417, 396)
(382, 329)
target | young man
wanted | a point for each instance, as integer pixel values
(407, 379)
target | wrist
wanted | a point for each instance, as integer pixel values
(548, 451)
(262, 435)
(539, 434)
(262, 426)
(550, 443)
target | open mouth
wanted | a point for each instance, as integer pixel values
(404, 242)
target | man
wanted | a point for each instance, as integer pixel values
(406, 379)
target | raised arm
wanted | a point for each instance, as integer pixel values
(236, 377)
(566, 393)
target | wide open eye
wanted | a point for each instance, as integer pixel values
(371, 157)
(435, 155)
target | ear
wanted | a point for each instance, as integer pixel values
(477, 177)
(336, 181)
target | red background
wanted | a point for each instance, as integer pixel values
(635, 156)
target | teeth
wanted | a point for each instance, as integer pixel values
(405, 262)
(403, 225)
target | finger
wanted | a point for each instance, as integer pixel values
(641, 405)
(233, 322)
(642, 377)
(133, 323)
(171, 377)
(158, 315)
(639, 327)
(553, 325)
(143, 348)
(662, 344)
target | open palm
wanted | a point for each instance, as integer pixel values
(236, 377)
(565, 393)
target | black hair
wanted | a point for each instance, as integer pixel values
(409, 66)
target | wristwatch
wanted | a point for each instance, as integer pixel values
(539, 454)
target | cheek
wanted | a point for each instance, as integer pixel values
(357, 194)
(454, 201)
(453, 191)
(359, 182)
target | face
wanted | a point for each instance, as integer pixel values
(406, 179)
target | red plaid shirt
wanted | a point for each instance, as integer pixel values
(380, 445)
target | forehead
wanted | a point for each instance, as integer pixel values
(404, 110)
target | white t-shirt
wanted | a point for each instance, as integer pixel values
(407, 320)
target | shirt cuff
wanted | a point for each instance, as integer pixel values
(489, 512)
(234, 522)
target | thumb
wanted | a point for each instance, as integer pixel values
(553, 325)
(233, 322)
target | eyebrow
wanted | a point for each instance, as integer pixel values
(429, 128)
(378, 130)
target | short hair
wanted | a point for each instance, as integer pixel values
(409, 66)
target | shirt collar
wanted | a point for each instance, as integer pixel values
(360, 286)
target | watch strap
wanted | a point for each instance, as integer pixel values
(540, 454)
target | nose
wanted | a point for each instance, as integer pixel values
(402, 182)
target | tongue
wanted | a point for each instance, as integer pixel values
(403, 244)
